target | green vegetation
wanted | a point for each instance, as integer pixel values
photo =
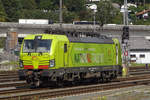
(107, 13)
(2, 12)
(12, 10)
(11, 63)
(2, 42)
(135, 65)
(73, 10)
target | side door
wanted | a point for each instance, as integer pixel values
(60, 54)
(66, 54)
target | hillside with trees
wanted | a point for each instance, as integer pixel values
(73, 10)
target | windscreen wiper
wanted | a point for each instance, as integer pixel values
(29, 53)
(40, 53)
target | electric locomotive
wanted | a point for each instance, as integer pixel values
(59, 58)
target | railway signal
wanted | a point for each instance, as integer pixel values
(125, 48)
(125, 34)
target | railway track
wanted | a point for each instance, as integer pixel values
(25, 93)
(10, 84)
(29, 94)
(138, 68)
(12, 89)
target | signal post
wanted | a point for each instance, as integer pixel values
(125, 43)
(125, 49)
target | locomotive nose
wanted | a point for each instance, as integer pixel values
(35, 62)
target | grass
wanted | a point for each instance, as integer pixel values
(136, 65)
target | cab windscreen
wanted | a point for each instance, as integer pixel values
(37, 46)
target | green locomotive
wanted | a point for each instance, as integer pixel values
(58, 58)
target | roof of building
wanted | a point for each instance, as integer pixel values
(142, 12)
(139, 43)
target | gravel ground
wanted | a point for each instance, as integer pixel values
(131, 93)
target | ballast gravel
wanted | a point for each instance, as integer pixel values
(141, 92)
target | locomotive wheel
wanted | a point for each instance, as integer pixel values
(35, 84)
(33, 80)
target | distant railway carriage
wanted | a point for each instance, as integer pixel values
(85, 23)
(53, 58)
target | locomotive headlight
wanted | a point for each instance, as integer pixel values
(21, 63)
(52, 63)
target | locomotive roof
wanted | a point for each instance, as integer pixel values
(102, 40)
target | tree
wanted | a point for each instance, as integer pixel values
(120, 2)
(69, 17)
(12, 8)
(86, 15)
(56, 4)
(2, 12)
(2, 42)
(118, 19)
(28, 4)
(46, 4)
(105, 12)
(37, 2)
(78, 7)
(75, 5)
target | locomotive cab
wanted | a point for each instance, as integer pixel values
(34, 52)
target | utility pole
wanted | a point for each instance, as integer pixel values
(60, 14)
(144, 5)
(125, 41)
(125, 17)
(94, 8)
(94, 21)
